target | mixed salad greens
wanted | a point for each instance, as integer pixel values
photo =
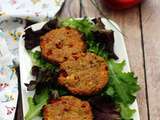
(119, 93)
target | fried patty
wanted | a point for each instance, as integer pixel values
(62, 44)
(86, 75)
(67, 108)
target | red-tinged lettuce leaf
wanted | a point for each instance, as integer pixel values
(43, 64)
(45, 79)
(45, 76)
(29, 23)
(105, 39)
(42, 96)
(98, 40)
(98, 23)
(104, 108)
(41, 86)
(31, 85)
(32, 38)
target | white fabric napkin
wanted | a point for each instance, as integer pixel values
(13, 15)
(30, 9)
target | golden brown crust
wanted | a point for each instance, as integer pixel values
(61, 44)
(67, 108)
(86, 75)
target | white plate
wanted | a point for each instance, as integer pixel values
(26, 63)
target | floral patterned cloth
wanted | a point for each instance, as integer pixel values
(13, 15)
(30, 9)
(8, 82)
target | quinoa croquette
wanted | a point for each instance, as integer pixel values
(86, 75)
(62, 44)
(67, 108)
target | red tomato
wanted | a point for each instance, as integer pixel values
(121, 4)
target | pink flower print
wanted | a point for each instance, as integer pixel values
(13, 2)
(3, 86)
(37, 13)
(10, 110)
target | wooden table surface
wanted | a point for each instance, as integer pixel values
(141, 26)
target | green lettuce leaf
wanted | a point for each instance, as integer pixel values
(44, 85)
(122, 88)
(124, 84)
(83, 25)
(35, 109)
(126, 112)
(43, 64)
(96, 37)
